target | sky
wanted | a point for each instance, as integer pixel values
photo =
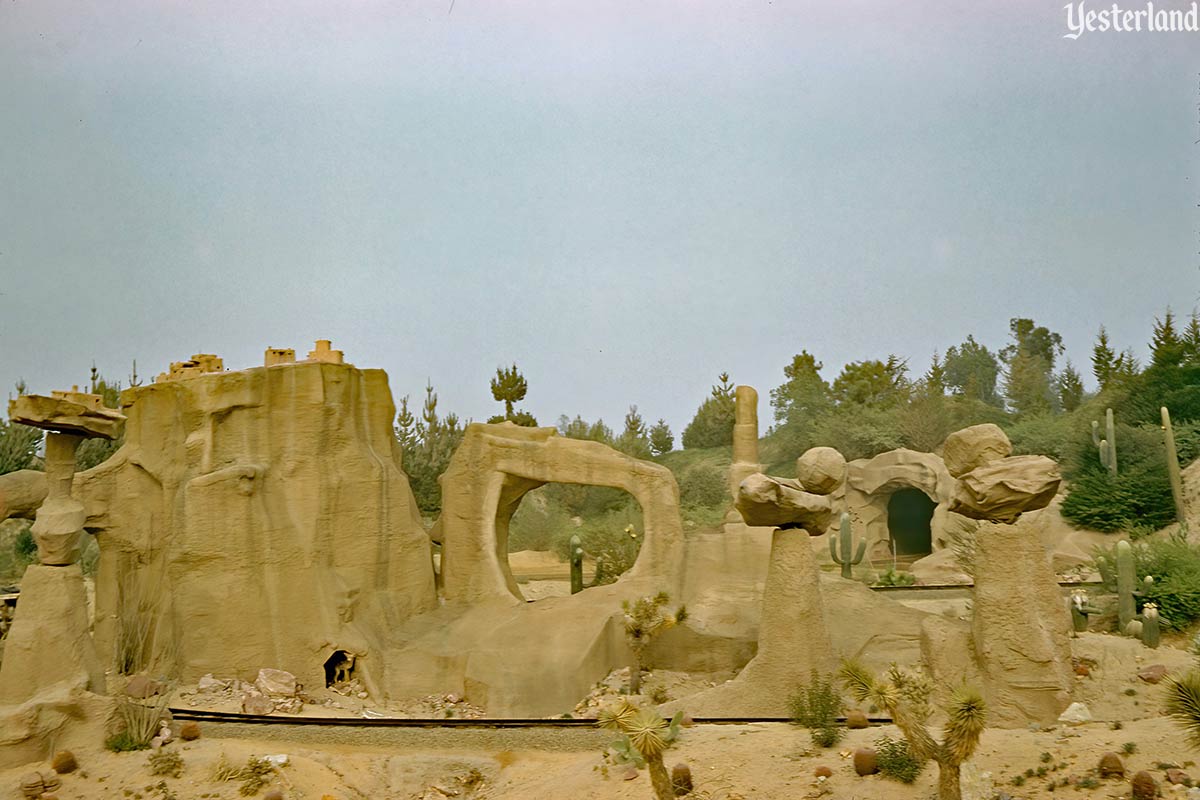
(624, 199)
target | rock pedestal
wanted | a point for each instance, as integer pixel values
(49, 646)
(792, 639)
(1020, 626)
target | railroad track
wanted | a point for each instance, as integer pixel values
(461, 724)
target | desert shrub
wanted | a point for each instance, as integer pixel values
(165, 762)
(1174, 564)
(816, 705)
(896, 760)
(703, 486)
(124, 742)
(580, 500)
(894, 577)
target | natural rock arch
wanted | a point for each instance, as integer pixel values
(496, 465)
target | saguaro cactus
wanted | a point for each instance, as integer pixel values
(1125, 580)
(845, 540)
(1173, 468)
(576, 565)
(1150, 631)
(1107, 446)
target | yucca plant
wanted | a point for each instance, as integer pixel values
(645, 618)
(1183, 704)
(905, 698)
(645, 735)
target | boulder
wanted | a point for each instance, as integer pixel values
(764, 501)
(256, 703)
(856, 719)
(1111, 766)
(973, 447)
(1076, 714)
(276, 683)
(865, 761)
(1153, 673)
(1003, 490)
(821, 470)
(142, 686)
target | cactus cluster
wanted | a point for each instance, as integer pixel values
(1107, 446)
(1081, 608)
(845, 541)
(645, 735)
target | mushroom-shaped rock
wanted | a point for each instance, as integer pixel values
(821, 470)
(73, 412)
(973, 447)
(764, 501)
(1003, 490)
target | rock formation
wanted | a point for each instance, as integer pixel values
(261, 518)
(496, 465)
(745, 437)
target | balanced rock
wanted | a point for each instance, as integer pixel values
(1003, 490)
(973, 447)
(764, 501)
(821, 470)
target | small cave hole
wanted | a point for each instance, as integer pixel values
(339, 668)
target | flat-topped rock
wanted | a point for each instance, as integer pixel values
(67, 412)
(764, 501)
(1003, 490)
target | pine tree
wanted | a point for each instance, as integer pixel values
(1191, 340)
(662, 441)
(1167, 347)
(934, 380)
(1069, 388)
(509, 387)
(634, 440)
(713, 424)
(1103, 359)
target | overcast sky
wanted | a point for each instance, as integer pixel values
(623, 198)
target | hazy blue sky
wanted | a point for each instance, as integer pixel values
(624, 198)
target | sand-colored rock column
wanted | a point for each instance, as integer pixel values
(49, 644)
(1020, 626)
(745, 438)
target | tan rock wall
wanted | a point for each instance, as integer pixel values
(263, 516)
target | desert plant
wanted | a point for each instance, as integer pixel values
(645, 735)
(1150, 628)
(1081, 609)
(896, 759)
(165, 762)
(1107, 447)
(645, 618)
(1183, 704)
(816, 706)
(703, 486)
(1173, 567)
(1173, 473)
(894, 577)
(848, 558)
(681, 779)
(908, 706)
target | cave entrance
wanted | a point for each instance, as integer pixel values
(339, 668)
(909, 513)
(608, 522)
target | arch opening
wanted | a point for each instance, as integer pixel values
(538, 530)
(909, 514)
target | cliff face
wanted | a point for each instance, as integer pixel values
(262, 519)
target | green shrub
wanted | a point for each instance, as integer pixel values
(703, 486)
(896, 760)
(816, 706)
(539, 523)
(1175, 566)
(1045, 434)
(895, 577)
(123, 742)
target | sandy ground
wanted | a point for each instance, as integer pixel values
(772, 760)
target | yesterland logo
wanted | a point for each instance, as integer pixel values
(1119, 19)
